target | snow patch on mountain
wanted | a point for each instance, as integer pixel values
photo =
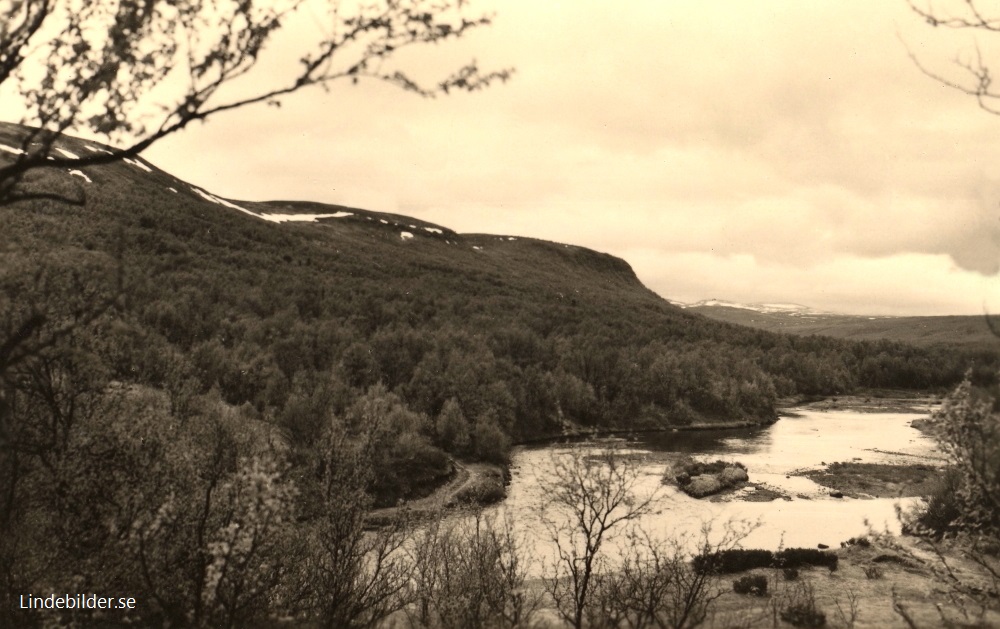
(138, 164)
(81, 174)
(214, 199)
(274, 218)
(301, 218)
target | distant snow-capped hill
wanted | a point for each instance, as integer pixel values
(796, 319)
(789, 309)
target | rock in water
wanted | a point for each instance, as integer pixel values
(733, 475)
(703, 485)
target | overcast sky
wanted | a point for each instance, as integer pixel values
(752, 151)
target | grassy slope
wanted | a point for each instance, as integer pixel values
(357, 248)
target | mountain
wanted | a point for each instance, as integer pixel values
(297, 312)
(927, 331)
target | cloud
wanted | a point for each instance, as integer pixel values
(897, 285)
(787, 136)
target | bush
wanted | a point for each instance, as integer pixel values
(863, 542)
(873, 572)
(743, 559)
(734, 560)
(967, 429)
(791, 574)
(803, 616)
(800, 609)
(798, 557)
(703, 485)
(753, 584)
(489, 489)
(733, 475)
(943, 505)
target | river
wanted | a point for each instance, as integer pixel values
(806, 439)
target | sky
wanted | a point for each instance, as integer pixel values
(767, 151)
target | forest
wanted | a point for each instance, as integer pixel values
(188, 389)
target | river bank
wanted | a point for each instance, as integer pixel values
(471, 483)
(870, 401)
(474, 483)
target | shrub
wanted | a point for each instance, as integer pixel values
(798, 557)
(487, 490)
(863, 542)
(733, 475)
(967, 429)
(703, 485)
(733, 560)
(801, 616)
(753, 584)
(743, 559)
(791, 574)
(873, 572)
(800, 608)
(943, 505)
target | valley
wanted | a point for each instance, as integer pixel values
(199, 374)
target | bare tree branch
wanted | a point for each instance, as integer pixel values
(108, 65)
(975, 78)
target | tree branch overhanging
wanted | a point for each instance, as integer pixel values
(975, 78)
(107, 65)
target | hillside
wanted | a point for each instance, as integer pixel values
(924, 331)
(299, 314)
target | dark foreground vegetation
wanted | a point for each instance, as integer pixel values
(198, 407)
(741, 560)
